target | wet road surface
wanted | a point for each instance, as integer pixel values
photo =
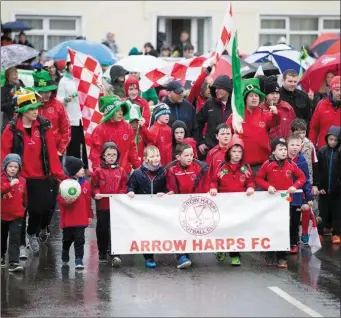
(310, 287)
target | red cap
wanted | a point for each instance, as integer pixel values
(335, 83)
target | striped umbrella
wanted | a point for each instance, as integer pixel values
(282, 56)
(324, 42)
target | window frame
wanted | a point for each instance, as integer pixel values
(46, 31)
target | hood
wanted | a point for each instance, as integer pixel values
(109, 144)
(235, 141)
(223, 82)
(131, 81)
(335, 131)
(117, 71)
(179, 124)
(12, 157)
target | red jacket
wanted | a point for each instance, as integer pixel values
(163, 137)
(281, 178)
(145, 138)
(32, 159)
(107, 180)
(55, 112)
(255, 134)
(13, 199)
(325, 115)
(228, 177)
(77, 213)
(123, 136)
(169, 150)
(145, 109)
(193, 179)
(287, 114)
(214, 158)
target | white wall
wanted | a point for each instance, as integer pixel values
(134, 22)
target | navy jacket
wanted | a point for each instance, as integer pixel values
(140, 182)
(298, 200)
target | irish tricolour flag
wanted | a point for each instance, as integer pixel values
(238, 108)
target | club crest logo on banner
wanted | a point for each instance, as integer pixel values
(199, 216)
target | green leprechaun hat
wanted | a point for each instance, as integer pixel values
(110, 105)
(43, 81)
(252, 85)
(25, 100)
(134, 113)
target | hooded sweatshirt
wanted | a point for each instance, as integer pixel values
(145, 110)
(117, 87)
(108, 179)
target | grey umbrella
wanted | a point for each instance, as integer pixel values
(15, 54)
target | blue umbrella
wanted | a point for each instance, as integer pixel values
(97, 50)
(16, 26)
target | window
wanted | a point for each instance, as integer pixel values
(297, 30)
(49, 31)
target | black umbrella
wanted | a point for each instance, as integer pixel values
(268, 68)
(15, 26)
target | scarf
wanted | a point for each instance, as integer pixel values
(150, 168)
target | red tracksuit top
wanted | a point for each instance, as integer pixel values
(214, 158)
(76, 214)
(145, 138)
(123, 136)
(32, 160)
(255, 134)
(281, 178)
(163, 136)
(13, 199)
(228, 177)
(55, 112)
(192, 179)
(108, 180)
(325, 116)
(169, 149)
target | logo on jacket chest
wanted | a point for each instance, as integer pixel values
(85, 190)
(50, 110)
(242, 178)
(37, 133)
(193, 177)
(288, 173)
(261, 124)
(125, 137)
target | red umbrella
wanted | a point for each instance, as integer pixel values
(323, 43)
(335, 48)
(314, 76)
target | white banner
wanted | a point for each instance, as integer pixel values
(199, 223)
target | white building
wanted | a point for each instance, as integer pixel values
(137, 22)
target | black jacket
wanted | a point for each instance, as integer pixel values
(213, 114)
(186, 113)
(140, 183)
(7, 104)
(299, 101)
(328, 176)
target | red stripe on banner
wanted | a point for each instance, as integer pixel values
(198, 61)
(225, 36)
(179, 72)
(155, 75)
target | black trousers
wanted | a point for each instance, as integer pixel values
(103, 231)
(73, 235)
(41, 197)
(329, 209)
(13, 228)
(77, 147)
(295, 219)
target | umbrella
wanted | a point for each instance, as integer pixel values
(323, 43)
(335, 48)
(140, 63)
(268, 68)
(15, 54)
(282, 56)
(96, 50)
(224, 66)
(314, 76)
(16, 26)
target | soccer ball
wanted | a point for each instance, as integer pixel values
(70, 189)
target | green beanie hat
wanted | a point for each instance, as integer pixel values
(43, 81)
(110, 105)
(134, 51)
(252, 85)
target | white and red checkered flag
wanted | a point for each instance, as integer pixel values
(87, 73)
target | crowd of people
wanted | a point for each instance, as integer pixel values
(289, 141)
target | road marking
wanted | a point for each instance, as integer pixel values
(294, 302)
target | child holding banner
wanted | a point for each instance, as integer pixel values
(150, 178)
(186, 175)
(277, 174)
(109, 178)
(232, 175)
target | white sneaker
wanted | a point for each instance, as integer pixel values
(116, 262)
(34, 243)
(23, 252)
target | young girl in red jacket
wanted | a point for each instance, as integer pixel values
(277, 173)
(75, 215)
(232, 175)
(186, 175)
(109, 178)
(13, 202)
